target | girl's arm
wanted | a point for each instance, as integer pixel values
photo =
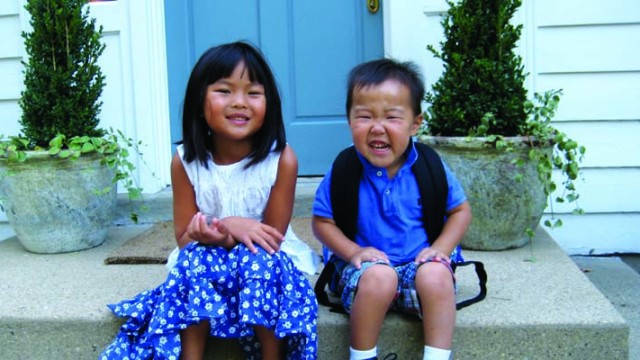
(189, 225)
(280, 205)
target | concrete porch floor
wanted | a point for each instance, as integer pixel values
(54, 306)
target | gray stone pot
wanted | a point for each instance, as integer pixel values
(56, 205)
(502, 207)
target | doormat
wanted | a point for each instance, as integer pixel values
(152, 246)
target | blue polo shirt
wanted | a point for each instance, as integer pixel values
(390, 210)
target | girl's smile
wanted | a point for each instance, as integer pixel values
(235, 107)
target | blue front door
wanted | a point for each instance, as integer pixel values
(311, 46)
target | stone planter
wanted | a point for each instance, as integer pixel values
(502, 207)
(56, 205)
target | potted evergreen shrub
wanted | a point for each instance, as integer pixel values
(58, 177)
(500, 143)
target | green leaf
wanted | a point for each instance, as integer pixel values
(571, 145)
(529, 232)
(57, 141)
(88, 147)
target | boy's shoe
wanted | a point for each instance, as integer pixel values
(390, 356)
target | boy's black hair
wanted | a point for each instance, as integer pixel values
(376, 72)
(218, 63)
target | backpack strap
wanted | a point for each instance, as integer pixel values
(346, 174)
(482, 282)
(434, 189)
(323, 280)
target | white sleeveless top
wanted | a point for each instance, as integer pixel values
(232, 190)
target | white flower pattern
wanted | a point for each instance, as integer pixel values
(233, 290)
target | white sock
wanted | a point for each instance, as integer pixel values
(362, 354)
(431, 353)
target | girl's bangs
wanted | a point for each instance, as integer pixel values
(224, 68)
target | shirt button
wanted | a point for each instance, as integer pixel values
(379, 173)
(387, 192)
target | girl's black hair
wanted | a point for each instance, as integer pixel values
(378, 71)
(218, 63)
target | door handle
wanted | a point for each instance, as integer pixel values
(373, 5)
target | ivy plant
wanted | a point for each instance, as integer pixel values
(115, 147)
(481, 93)
(565, 155)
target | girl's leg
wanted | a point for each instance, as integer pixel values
(376, 290)
(193, 340)
(434, 285)
(270, 344)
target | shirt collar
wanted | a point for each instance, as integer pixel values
(411, 155)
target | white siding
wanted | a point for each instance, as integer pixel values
(11, 50)
(595, 96)
(588, 49)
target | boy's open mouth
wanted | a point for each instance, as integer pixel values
(379, 145)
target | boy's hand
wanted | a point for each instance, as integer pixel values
(431, 252)
(367, 254)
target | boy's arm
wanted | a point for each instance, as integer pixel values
(326, 230)
(331, 236)
(458, 220)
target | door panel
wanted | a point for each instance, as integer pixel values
(310, 45)
(220, 21)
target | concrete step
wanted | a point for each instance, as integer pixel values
(54, 306)
(158, 207)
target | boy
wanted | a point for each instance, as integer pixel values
(389, 261)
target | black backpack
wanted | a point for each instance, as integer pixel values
(432, 182)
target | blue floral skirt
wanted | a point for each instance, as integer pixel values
(234, 290)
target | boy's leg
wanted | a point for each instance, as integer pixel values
(375, 292)
(435, 288)
(193, 340)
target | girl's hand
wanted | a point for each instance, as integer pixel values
(367, 254)
(211, 232)
(431, 252)
(252, 232)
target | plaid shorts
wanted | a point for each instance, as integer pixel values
(406, 300)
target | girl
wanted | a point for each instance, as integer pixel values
(233, 180)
